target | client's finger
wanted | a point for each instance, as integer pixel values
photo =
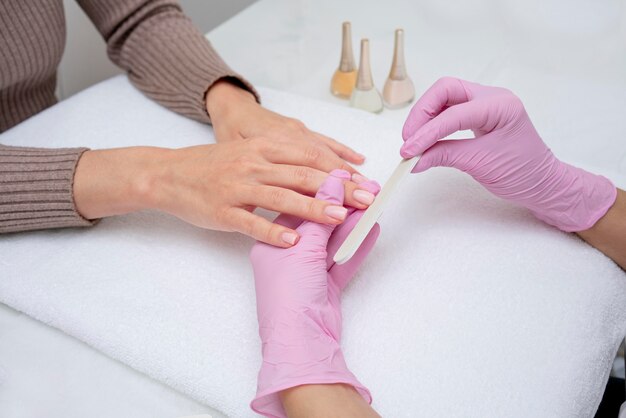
(303, 153)
(308, 180)
(287, 201)
(288, 221)
(331, 191)
(340, 149)
(240, 220)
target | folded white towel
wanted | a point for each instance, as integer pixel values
(468, 306)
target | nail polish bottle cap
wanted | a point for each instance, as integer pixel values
(364, 79)
(398, 67)
(346, 64)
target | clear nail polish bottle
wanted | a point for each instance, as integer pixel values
(399, 90)
(344, 78)
(365, 96)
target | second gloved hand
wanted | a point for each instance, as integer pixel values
(298, 303)
(507, 156)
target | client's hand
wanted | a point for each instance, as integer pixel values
(235, 114)
(298, 304)
(507, 156)
(216, 186)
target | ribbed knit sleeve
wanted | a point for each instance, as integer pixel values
(36, 188)
(165, 56)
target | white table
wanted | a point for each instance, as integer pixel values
(294, 46)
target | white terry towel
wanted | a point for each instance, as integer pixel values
(467, 307)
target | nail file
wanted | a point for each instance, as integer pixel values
(371, 215)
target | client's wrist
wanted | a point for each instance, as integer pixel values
(224, 97)
(117, 181)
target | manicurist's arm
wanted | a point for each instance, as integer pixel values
(609, 233)
(321, 401)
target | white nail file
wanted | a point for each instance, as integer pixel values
(371, 215)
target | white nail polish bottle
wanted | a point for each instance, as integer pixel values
(399, 90)
(365, 96)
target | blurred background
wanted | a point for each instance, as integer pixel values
(85, 61)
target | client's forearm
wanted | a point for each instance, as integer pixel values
(336, 400)
(609, 233)
(115, 181)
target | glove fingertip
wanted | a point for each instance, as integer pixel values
(410, 149)
(342, 174)
(332, 189)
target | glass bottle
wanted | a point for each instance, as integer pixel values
(399, 90)
(344, 78)
(364, 95)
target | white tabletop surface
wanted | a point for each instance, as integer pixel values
(294, 45)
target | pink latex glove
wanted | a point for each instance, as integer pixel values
(507, 156)
(298, 293)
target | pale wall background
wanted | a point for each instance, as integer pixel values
(85, 61)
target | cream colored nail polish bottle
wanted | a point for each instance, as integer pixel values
(365, 96)
(344, 78)
(399, 90)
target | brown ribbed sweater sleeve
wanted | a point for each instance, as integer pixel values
(166, 57)
(36, 188)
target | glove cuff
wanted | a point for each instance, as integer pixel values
(311, 355)
(267, 400)
(579, 199)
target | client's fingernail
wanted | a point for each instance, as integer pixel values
(358, 178)
(361, 156)
(363, 196)
(289, 237)
(336, 212)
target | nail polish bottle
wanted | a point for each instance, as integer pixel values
(399, 90)
(344, 78)
(364, 95)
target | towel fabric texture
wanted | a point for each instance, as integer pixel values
(468, 306)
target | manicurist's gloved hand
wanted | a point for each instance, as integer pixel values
(298, 303)
(507, 156)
